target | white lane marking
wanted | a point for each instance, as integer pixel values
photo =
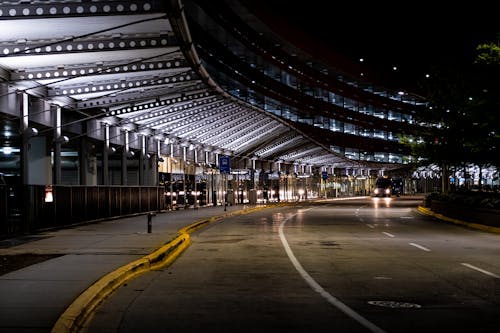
(388, 234)
(481, 270)
(340, 199)
(406, 217)
(317, 287)
(370, 226)
(420, 247)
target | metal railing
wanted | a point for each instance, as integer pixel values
(24, 208)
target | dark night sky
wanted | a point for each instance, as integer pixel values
(414, 36)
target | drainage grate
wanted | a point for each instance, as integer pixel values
(394, 304)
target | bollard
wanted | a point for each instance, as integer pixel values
(150, 222)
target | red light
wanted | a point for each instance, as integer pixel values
(49, 197)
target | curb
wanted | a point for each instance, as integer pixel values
(80, 311)
(482, 227)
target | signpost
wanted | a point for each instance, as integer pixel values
(224, 164)
(225, 169)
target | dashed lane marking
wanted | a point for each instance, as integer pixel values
(481, 270)
(420, 247)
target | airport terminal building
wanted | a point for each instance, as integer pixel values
(111, 108)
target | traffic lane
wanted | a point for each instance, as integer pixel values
(235, 276)
(425, 232)
(365, 271)
(427, 287)
(403, 220)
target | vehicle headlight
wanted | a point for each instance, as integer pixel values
(376, 191)
(387, 191)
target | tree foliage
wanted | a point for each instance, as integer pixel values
(464, 103)
(488, 54)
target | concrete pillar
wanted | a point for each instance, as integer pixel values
(26, 134)
(142, 160)
(91, 170)
(88, 163)
(40, 171)
(83, 159)
(155, 167)
(105, 156)
(56, 168)
(124, 179)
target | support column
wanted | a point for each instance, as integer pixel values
(105, 156)
(26, 134)
(142, 160)
(56, 168)
(35, 164)
(124, 158)
(252, 175)
(156, 168)
(152, 168)
(210, 184)
(252, 192)
(40, 168)
(83, 159)
(184, 175)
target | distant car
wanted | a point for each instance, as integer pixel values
(383, 187)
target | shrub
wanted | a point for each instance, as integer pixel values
(471, 199)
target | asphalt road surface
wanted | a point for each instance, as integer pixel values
(365, 265)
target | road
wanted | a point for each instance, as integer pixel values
(364, 265)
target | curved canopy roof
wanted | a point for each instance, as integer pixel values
(134, 65)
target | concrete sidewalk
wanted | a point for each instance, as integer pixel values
(33, 298)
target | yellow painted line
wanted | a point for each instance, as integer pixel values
(482, 227)
(80, 311)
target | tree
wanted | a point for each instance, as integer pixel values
(488, 54)
(464, 107)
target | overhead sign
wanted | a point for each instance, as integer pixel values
(224, 164)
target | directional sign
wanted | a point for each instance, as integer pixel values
(224, 164)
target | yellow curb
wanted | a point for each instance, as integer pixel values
(78, 313)
(482, 227)
(75, 316)
(167, 254)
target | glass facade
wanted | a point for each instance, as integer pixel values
(267, 81)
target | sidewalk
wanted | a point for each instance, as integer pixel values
(33, 298)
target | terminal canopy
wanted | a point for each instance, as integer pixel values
(137, 66)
